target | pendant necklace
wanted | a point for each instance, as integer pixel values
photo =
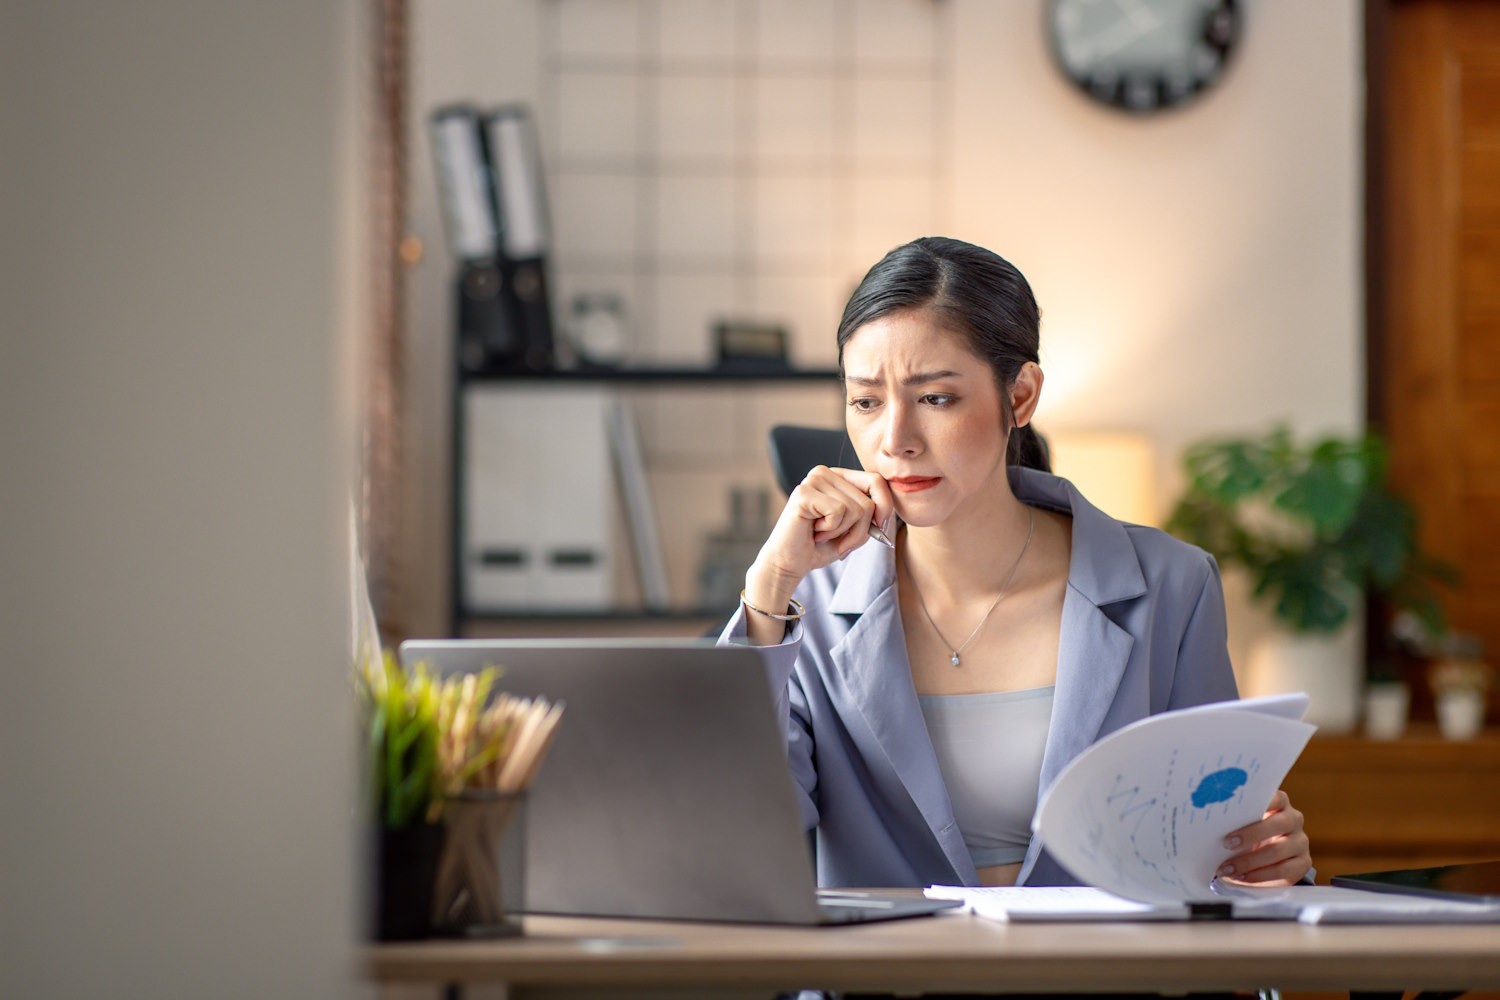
(1030, 525)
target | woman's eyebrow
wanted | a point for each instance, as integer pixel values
(916, 378)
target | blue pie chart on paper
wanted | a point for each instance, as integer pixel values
(1219, 786)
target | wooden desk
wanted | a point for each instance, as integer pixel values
(952, 952)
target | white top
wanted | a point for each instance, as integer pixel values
(989, 748)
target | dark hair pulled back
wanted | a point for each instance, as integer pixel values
(972, 291)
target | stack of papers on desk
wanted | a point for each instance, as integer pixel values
(1327, 904)
(1064, 902)
(1309, 904)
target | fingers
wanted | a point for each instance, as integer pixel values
(1279, 819)
(1286, 872)
(1272, 850)
(836, 507)
(1283, 857)
(874, 487)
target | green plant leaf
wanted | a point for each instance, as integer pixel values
(399, 711)
(1380, 538)
(1226, 471)
(1308, 594)
(1325, 489)
(1338, 530)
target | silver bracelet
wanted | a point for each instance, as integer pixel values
(794, 606)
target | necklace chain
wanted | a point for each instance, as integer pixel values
(1030, 526)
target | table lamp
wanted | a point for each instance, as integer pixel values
(1114, 470)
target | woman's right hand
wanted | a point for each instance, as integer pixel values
(827, 516)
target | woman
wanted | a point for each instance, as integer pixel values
(932, 689)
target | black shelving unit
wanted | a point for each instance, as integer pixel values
(640, 376)
(467, 378)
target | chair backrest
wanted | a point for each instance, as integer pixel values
(796, 451)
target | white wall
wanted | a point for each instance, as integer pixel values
(1198, 271)
(180, 264)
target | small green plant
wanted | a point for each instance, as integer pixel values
(1315, 526)
(428, 740)
(400, 710)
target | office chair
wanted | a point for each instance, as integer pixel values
(795, 451)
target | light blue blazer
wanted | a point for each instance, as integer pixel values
(1143, 630)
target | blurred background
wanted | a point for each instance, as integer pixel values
(232, 296)
(1199, 269)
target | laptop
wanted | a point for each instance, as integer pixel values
(1477, 882)
(666, 791)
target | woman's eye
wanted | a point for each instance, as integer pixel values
(862, 404)
(938, 399)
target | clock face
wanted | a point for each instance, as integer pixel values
(1142, 55)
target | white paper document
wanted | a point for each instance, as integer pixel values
(1331, 904)
(1054, 902)
(1144, 812)
(1310, 904)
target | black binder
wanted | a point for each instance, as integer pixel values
(489, 174)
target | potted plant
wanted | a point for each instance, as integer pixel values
(1387, 701)
(1316, 529)
(446, 764)
(400, 717)
(1460, 681)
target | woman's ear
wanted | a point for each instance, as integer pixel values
(1026, 392)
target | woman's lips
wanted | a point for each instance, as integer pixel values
(913, 484)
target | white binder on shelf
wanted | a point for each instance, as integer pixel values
(537, 500)
(463, 178)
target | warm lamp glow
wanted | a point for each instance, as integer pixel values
(1115, 470)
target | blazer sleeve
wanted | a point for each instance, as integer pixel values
(1203, 672)
(793, 715)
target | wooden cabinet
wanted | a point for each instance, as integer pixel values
(1418, 801)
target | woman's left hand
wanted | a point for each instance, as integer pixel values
(1273, 851)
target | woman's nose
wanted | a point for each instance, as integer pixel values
(900, 436)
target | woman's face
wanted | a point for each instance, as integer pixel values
(924, 413)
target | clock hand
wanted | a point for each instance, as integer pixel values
(1107, 45)
(1135, 10)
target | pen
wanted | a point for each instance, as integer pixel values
(880, 537)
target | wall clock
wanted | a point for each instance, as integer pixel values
(1142, 56)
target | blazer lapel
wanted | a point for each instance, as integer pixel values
(1093, 652)
(1091, 658)
(871, 660)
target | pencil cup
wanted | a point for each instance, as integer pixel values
(481, 875)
